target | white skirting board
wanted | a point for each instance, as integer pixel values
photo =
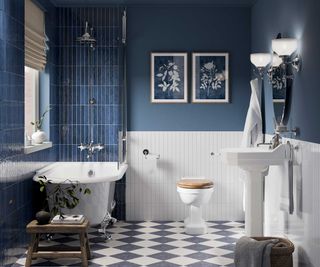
(151, 183)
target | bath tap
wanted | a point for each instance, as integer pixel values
(91, 147)
(82, 147)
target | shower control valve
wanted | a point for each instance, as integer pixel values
(99, 147)
(82, 147)
(91, 148)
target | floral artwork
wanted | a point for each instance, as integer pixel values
(168, 77)
(210, 78)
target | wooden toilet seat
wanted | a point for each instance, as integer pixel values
(195, 183)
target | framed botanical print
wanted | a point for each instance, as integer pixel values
(169, 81)
(210, 77)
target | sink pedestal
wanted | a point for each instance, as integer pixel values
(254, 185)
(255, 161)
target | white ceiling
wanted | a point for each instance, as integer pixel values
(153, 2)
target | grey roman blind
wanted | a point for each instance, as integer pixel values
(35, 38)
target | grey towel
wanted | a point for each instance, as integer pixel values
(252, 253)
(290, 176)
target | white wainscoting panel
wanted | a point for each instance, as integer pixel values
(303, 226)
(151, 192)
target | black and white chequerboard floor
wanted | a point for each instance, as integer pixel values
(156, 244)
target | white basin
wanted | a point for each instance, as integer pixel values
(255, 158)
(255, 161)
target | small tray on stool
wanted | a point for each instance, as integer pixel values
(56, 252)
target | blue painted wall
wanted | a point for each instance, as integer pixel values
(17, 201)
(187, 28)
(299, 19)
(74, 73)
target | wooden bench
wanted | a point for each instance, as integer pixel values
(34, 251)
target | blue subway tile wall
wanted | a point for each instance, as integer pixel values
(76, 70)
(16, 168)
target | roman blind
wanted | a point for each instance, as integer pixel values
(35, 38)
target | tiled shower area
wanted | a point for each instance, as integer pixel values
(80, 68)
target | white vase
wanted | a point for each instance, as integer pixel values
(39, 137)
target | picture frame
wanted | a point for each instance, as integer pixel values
(210, 77)
(169, 77)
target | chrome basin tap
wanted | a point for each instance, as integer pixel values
(91, 148)
(276, 141)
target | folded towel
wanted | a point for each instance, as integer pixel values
(287, 198)
(252, 253)
(290, 182)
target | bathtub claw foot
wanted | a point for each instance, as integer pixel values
(106, 236)
(106, 222)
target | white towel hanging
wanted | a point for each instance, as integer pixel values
(252, 133)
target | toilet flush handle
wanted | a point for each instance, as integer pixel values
(145, 152)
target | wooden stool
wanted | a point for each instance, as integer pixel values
(34, 251)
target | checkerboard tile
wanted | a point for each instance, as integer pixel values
(154, 244)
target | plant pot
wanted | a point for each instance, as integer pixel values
(39, 137)
(43, 217)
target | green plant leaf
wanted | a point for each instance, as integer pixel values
(87, 191)
(64, 195)
(70, 192)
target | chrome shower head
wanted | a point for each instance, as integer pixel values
(87, 37)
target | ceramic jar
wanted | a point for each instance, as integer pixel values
(39, 137)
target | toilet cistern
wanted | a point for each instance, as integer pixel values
(195, 193)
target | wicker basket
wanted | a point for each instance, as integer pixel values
(281, 253)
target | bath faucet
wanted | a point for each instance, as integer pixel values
(91, 147)
(82, 147)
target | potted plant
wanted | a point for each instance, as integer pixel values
(39, 136)
(62, 195)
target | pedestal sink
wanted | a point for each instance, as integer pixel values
(255, 162)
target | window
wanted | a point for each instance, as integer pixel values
(33, 89)
(31, 96)
(34, 37)
(36, 83)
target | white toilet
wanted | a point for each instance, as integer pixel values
(195, 193)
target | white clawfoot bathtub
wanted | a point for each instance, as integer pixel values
(99, 177)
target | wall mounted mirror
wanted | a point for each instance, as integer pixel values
(281, 75)
(281, 97)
